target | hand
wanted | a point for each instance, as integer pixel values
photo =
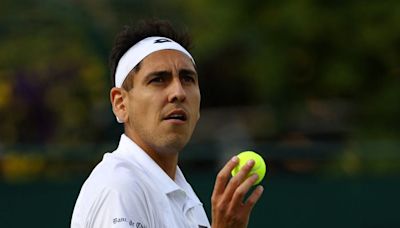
(228, 206)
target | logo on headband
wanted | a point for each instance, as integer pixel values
(159, 41)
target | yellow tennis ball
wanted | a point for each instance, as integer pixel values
(259, 166)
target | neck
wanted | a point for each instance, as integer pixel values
(167, 161)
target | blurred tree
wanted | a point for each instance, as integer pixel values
(293, 55)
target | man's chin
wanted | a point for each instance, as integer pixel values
(174, 144)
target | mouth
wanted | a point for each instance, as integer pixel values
(178, 115)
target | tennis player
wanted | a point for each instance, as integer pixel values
(156, 97)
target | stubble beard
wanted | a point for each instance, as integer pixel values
(164, 143)
(170, 144)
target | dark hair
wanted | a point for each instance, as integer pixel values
(130, 35)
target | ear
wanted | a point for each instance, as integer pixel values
(117, 98)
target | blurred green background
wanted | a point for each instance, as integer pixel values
(314, 86)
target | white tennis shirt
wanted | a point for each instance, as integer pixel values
(128, 189)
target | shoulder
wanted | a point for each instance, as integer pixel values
(116, 174)
(115, 189)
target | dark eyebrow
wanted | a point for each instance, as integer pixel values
(161, 73)
(188, 72)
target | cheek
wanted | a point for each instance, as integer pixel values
(198, 99)
(194, 94)
(147, 108)
(138, 106)
(196, 103)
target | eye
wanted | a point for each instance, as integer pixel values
(188, 79)
(158, 79)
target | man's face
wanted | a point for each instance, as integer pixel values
(163, 106)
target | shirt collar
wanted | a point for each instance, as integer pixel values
(133, 153)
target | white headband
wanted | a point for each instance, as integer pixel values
(139, 51)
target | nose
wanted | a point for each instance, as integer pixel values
(177, 92)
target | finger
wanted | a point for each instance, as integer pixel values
(224, 175)
(253, 198)
(241, 191)
(238, 179)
